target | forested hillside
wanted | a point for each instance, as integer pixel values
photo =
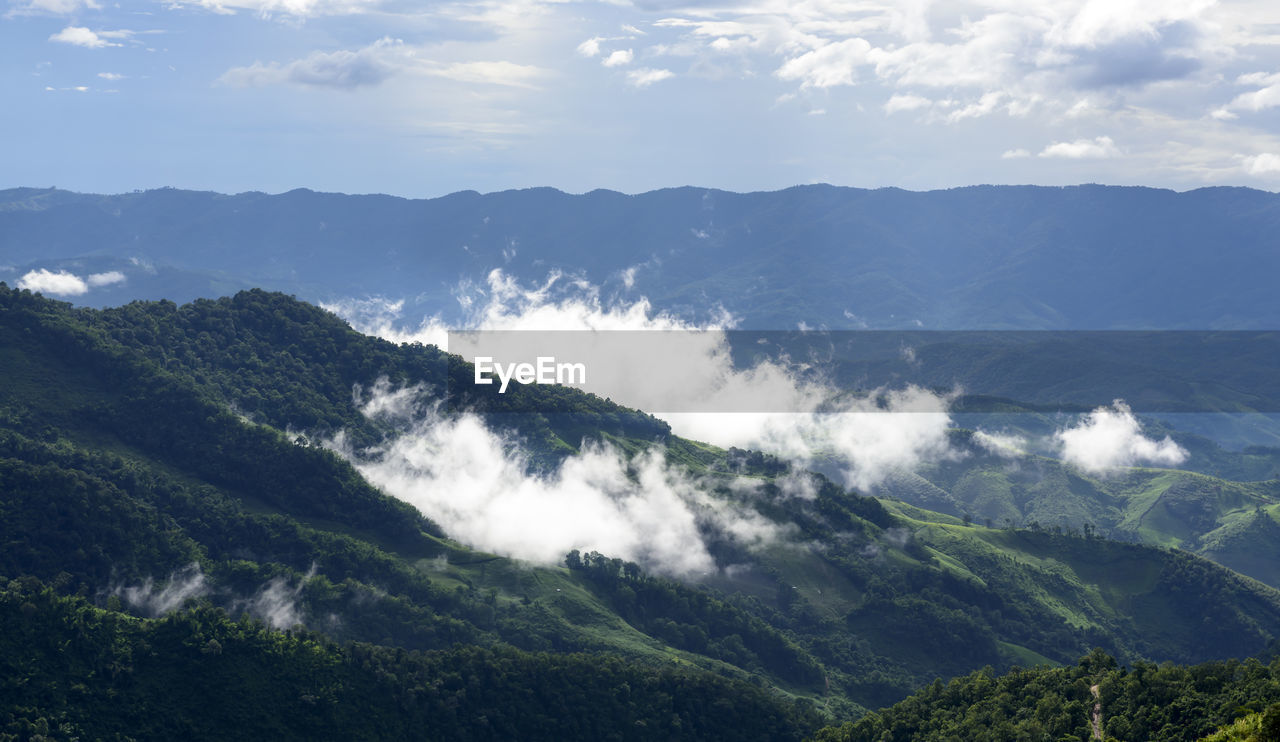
(159, 456)
(1143, 702)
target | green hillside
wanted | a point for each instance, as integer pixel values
(155, 455)
(1151, 703)
(71, 671)
(1234, 523)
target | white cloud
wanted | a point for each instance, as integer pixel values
(290, 8)
(477, 487)
(1266, 163)
(906, 102)
(832, 64)
(61, 283)
(1014, 154)
(1001, 444)
(1097, 148)
(1098, 22)
(647, 76)
(1110, 438)
(183, 585)
(1267, 96)
(54, 7)
(374, 64)
(590, 47)
(618, 58)
(65, 283)
(1019, 58)
(111, 76)
(683, 372)
(629, 277)
(104, 279)
(982, 107)
(81, 36)
(382, 317)
(341, 69)
(276, 603)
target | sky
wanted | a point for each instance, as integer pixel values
(424, 99)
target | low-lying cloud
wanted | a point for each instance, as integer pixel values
(152, 600)
(773, 404)
(477, 485)
(1110, 438)
(65, 283)
(1004, 445)
(276, 603)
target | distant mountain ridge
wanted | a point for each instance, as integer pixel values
(991, 257)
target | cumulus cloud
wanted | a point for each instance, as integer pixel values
(1034, 55)
(590, 47)
(61, 283)
(829, 65)
(81, 36)
(104, 279)
(1110, 438)
(152, 600)
(988, 103)
(1080, 149)
(618, 58)
(1266, 163)
(478, 487)
(870, 438)
(906, 102)
(646, 76)
(65, 283)
(1264, 97)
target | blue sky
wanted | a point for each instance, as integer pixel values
(422, 99)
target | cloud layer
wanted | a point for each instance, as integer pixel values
(683, 372)
(477, 486)
(494, 94)
(1110, 438)
(65, 283)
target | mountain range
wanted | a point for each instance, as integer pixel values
(983, 257)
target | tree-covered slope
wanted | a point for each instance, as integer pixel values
(72, 671)
(1143, 702)
(1234, 523)
(155, 453)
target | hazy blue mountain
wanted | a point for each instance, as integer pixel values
(979, 257)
